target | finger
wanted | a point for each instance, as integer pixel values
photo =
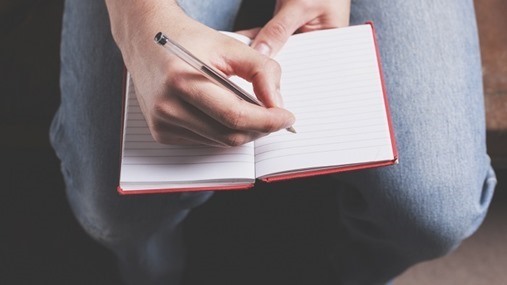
(171, 139)
(230, 111)
(275, 33)
(263, 72)
(174, 135)
(178, 119)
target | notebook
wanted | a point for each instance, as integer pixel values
(331, 81)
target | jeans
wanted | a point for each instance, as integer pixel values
(394, 216)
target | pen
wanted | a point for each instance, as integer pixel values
(207, 70)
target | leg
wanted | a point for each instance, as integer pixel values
(439, 193)
(143, 231)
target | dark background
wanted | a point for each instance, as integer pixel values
(41, 242)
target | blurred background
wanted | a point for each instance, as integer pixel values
(41, 242)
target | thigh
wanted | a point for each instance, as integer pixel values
(430, 55)
(86, 130)
(439, 192)
(217, 14)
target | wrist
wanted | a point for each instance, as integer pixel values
(139, 21)
(135, 23)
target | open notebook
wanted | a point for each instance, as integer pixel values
(331, 81)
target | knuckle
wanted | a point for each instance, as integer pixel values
(278, 30)
(269, 126)
(234, 118)
(159, 110)
(175, 76)
(235, 140)
(273, 65)
(158, 137)
(157, 130)
(163, 111)
(176, 80)
(269, 69)
(163, 133)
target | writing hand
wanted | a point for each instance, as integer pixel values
(179, 104)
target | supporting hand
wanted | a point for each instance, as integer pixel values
(292, 16)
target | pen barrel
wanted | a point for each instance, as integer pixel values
(178, 50)
(210, 73)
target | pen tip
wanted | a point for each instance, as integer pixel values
(291, 129)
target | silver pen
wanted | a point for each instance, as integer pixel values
(207, 70)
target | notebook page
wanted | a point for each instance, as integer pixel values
(147, 164)
(331, 82)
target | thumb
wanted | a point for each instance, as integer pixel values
(275, 33)
(262, 72)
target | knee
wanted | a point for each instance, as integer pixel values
(437, 223)
(436, 234)
(114, 220)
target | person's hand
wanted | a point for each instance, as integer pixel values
(292, 16)
(179, 104)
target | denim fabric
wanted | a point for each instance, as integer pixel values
(143, 231)
(395, 216)
(439, 193)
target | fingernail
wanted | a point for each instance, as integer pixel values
(263, 48)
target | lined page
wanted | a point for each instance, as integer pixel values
(147, 164)
(331, 82)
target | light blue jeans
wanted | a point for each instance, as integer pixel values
(394, 216)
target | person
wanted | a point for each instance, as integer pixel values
(395, 216)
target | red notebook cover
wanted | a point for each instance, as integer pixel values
(302, 174)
